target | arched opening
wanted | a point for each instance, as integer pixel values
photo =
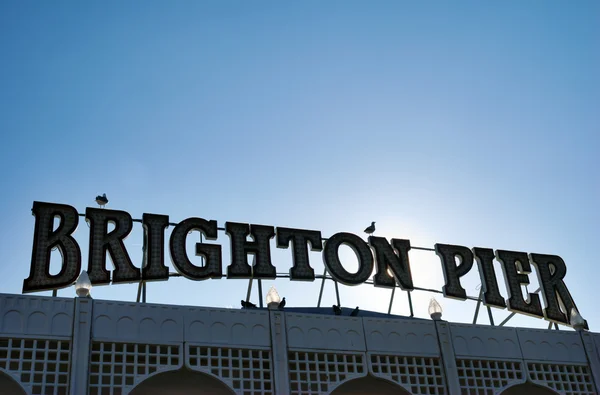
(181, 382)
(369, 386)
(8, 386)
(529, 389)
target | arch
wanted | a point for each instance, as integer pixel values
(369, 385)
(9, 385)
(181, 382)
(528, 388)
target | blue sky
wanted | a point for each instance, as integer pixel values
(471, 123)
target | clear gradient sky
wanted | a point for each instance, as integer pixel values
(469, 122)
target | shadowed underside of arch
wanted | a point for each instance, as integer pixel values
(8, 386)
(369, 385)
(529, 389)
(181, 382)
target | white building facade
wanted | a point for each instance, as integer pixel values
(82, 346)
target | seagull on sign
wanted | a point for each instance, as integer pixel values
(354, 312)
(102, 200)
(371, 228)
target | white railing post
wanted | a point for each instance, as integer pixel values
(80, 352)
(279, 350)
(448, 357)
(592, 357)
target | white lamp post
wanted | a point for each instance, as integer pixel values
(273, 299)
(435, 310)
(83, 285)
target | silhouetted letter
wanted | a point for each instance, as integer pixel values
(334, 266)
(514, 277)
(154, 250)
(240, 248)
(394, 256)
(485, 262)
(210, 252)
(299, 238)
(101, 241)
(453, 273)
(45, 239)
(551, 270)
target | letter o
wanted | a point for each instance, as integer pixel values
(363, 252)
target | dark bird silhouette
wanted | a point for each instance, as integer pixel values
(337, 310)
(354, 312)
(282, 304)
(102, 200)
(248, 305)
(371, 228)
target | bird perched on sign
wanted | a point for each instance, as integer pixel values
(337, 310)
(371, 228)
(102, 200)
(248, 305)
(354, 312)
(282, 304)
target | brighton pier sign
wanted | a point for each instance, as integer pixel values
(389, 258)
